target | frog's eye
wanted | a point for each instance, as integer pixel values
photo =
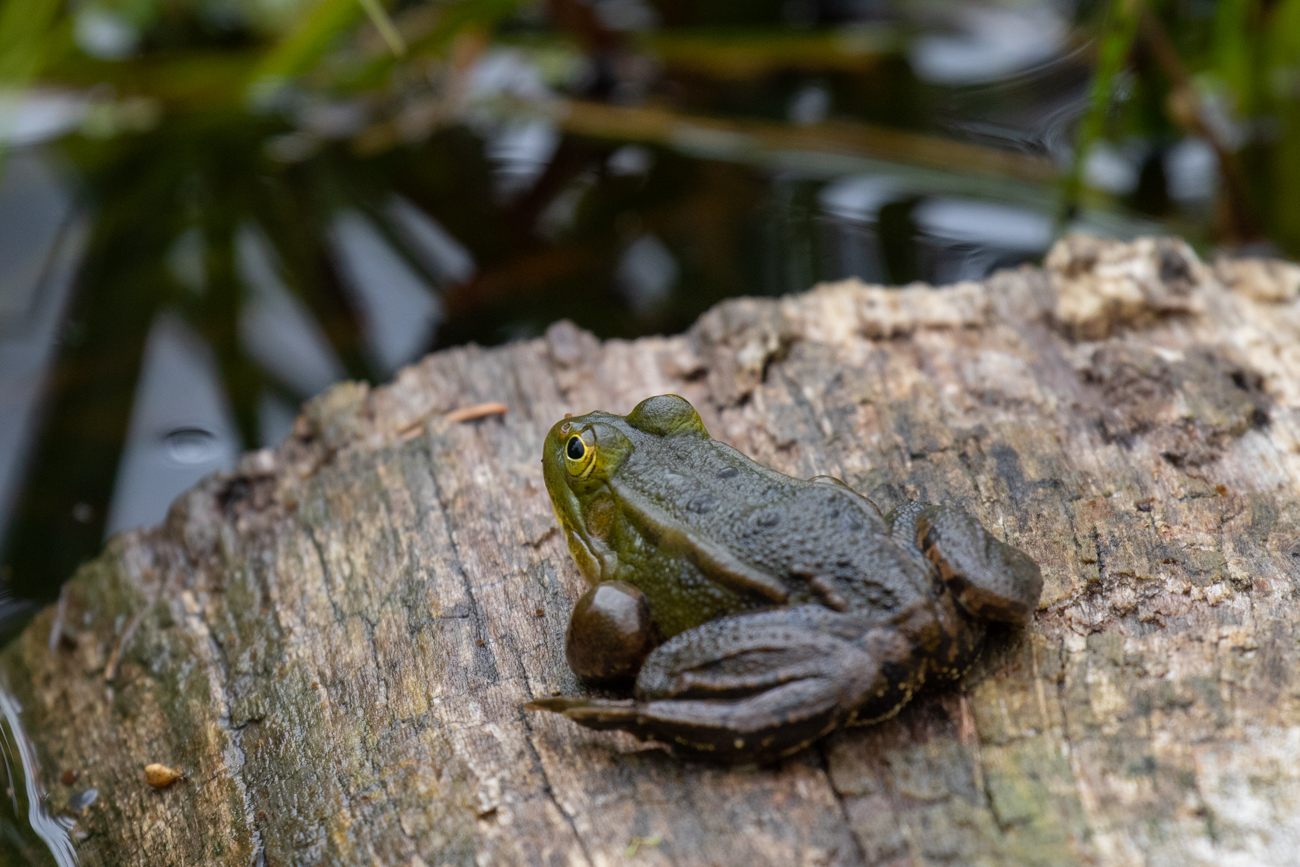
(577, 449)
(580, 455)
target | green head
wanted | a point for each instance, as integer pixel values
(583, 453)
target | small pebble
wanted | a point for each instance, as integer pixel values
(70, 776)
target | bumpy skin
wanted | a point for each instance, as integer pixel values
(790, 607)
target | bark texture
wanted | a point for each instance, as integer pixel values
(334, 641)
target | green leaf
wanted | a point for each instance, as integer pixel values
(1284, 85)
(25, 27)
(303, 46)
(384, 24)
(1118, 31)
(453, 19)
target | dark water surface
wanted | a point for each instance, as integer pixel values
(177, 276)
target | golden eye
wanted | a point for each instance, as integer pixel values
(580, 455)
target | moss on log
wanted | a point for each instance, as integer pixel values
(334, 641)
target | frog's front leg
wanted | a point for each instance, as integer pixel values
(757, 686)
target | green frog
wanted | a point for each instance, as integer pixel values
(757, 612)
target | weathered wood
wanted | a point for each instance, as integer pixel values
(335, 641)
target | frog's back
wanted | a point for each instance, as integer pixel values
(826, 543)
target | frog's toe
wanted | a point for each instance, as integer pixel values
(590, 712)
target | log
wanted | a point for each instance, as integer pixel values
(333, 643)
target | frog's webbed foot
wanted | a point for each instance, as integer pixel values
(989, 578)
(753, 686)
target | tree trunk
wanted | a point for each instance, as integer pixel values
(335, 641)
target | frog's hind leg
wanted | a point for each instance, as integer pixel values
(750, 687)
(989, 578)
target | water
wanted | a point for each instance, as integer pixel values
(29, 834)
(181, 264)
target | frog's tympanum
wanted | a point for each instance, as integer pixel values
(757, 612)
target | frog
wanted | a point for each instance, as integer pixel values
(753, 613)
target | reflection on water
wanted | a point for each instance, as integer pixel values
(966, 239)
(983, 43)
(29, 834)
(275, 328)
(398, 310)
(181, 427)
(40, 240)
(192, 445)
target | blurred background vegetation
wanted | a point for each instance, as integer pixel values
(211, 209)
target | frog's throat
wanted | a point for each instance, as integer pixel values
(715, 561)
